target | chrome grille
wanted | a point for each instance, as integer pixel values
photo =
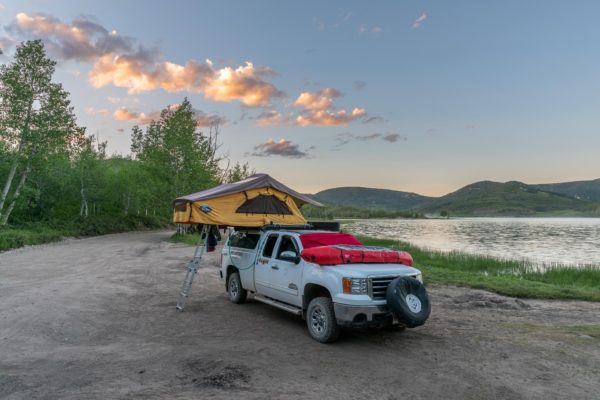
(377, 286)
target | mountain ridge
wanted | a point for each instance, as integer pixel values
(481, 198)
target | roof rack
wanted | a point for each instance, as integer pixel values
(333, 226)
(278, 227)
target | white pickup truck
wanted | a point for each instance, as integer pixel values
(270, 263)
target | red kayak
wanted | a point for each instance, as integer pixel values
(354, 254)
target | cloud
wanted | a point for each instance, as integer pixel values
(319, 24)
(321, 100)
(124, 114)
(329, 118)
(359, 85)
(345, 138)
(119, 61)
(374, 30)
(319, 110)
(273, 117)
(202, 119)
(345, 19)
(244, 83)
(82, 40)
(419, 21)
(394, 137)
(94, 111)
(376, 119)
(283, 148)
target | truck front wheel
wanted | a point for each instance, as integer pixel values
(237, 294)
(321, 321)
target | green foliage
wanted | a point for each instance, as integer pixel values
(368, 198)
(507, 199)
(37, 123)
(57, 181)
(512, 278)
(332, 212)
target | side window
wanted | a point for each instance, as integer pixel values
(269, 246)
(287, 244)
(244, 240)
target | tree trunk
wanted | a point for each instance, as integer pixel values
(13, 168)
(8, 184)
(15, 196)
(83, 210)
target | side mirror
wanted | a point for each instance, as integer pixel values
(290, 256)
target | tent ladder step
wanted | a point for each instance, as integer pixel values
(193, 267)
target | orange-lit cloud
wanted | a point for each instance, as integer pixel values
(120, 62)
(202, 119)
(283, 148)
(82, 40)
(274, 117)
(319, 109)
(330, 118)
(124, 114)
(321, 100)
(139, 74)
(244, 83)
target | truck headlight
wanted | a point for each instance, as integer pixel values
(354, 285)
(419, 277)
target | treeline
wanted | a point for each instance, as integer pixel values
(54, 175)
(332, 212)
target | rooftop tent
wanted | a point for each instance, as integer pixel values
(253, 202)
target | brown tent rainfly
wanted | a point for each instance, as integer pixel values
(252, 202)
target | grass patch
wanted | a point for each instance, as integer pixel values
(12, 237)
(507, 277)
(592, 331)
(190, 239)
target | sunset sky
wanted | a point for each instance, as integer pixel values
(422, 96)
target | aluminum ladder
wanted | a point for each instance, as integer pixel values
(192, 267)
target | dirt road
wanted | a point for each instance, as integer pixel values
(95, 319)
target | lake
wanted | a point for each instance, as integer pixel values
(570, 241)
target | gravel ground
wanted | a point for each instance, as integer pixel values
(96, 319)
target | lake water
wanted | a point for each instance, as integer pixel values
(572, 241)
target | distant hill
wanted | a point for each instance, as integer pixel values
(584, 190)
(361, 197)
(510, 199)
(485, 198)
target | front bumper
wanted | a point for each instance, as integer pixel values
(363, 316)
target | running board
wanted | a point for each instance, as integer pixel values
(278, 304)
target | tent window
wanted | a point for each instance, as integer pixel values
(269, 246)
(263, 204)
(181, 207)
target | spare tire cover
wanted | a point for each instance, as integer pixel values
(408, 300)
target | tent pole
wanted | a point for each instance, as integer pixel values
(193, 267)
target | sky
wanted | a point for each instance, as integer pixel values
(419, 96)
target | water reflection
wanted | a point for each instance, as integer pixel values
(573, 241)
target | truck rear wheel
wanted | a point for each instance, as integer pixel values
(237, 294)
(321, 321)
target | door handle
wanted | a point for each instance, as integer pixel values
(274, 267)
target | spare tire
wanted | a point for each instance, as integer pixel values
(408, 300)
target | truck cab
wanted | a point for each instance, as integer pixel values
(270, 264)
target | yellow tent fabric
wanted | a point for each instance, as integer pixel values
(218, 206)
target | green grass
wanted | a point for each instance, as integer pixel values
(592, 331)
(512, 278)
(191, 239)
(12, 237)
